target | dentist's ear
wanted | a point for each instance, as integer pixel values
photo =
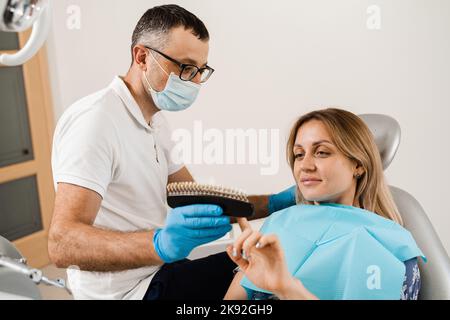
(140, 54)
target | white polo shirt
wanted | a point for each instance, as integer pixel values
(103, 143)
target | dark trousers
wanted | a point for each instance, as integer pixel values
(202, 279)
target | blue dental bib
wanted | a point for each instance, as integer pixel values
(342, 252)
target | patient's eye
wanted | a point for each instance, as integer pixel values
(322, 152)
(298, 156)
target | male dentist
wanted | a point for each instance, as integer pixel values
(111, 165)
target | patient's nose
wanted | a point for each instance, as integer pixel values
(308, 163)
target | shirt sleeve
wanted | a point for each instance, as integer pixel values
(85, 151)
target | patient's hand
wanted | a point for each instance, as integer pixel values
(243, 224)
(262, 260)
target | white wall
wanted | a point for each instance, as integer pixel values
(276, 60)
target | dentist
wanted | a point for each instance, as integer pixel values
(111, 165)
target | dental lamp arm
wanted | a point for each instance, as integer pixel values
(38, 36)
(34, 274)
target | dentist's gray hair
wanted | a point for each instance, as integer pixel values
(155, 25)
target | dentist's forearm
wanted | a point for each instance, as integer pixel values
(93, 249)
(261, 204)
(265, 205)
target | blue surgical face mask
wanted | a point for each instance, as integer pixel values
(178, 95)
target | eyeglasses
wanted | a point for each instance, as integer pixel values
(189, 71)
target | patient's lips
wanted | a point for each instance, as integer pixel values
(310, 181)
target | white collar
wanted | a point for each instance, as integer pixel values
(119, 86)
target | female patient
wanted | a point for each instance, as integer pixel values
(337, 165)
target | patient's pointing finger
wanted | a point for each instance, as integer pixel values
(237, 247)
(244, 224)
(267, 240)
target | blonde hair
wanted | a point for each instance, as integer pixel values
(353, 139)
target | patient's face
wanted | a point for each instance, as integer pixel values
(317, 158)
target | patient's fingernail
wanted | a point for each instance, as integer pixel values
(234, 252)
(244, 255)
(258, 245)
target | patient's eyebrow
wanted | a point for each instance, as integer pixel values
(314, 144)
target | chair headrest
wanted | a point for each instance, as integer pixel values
(387, 133)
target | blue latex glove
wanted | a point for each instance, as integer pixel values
(189, 227)
(282, 200)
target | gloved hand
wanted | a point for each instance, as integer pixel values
(282, 200)
(189, 227)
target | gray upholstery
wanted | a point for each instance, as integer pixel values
(387, 134)
(435, 274)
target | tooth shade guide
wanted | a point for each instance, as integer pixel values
(191, 188)
(233, 202)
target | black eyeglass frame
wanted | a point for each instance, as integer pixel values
(183, 66)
